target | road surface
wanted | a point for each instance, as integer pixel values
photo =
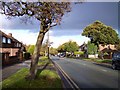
(88, 75)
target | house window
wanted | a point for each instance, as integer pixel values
(17, 45)
(9, 40)
(3, 39)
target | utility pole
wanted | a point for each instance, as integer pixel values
(48, 46)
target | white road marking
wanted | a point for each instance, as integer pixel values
(104, 70)
(84, 64)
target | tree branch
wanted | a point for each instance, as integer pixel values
(54, 25)
(49, 26)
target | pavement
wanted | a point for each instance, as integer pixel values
(90, 75)
(9, 70)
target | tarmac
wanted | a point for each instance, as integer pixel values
(9, 70)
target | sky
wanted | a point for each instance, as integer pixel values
(71, 27)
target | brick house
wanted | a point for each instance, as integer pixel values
(10, 48)
(107, 49)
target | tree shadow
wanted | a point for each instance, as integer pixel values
(104, 65)
(40, 70)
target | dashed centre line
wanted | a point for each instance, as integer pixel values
(104, 70)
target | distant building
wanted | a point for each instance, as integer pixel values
(109, 49)
(83, 47)
(9, 46)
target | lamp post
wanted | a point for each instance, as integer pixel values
(48, 46)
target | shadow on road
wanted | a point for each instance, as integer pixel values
(103, 65)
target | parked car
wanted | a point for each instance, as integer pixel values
(61, 55)
(116, 60)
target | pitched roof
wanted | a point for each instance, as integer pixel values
(15, 40)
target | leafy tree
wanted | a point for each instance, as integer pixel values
(48, 13)
(91, 48)
(118, 45)
(69, 46)
(100, 33)
(79, 53)
(61, 48)
(27, 47)
(53, 51)
(31, 49)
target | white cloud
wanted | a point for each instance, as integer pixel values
(30, 38)
(3, 21)
(60, 40)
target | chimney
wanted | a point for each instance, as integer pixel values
(10, 34)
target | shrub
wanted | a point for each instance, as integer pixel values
(27, 55)
(106, 53)
(92, 48)
(79, 53)
(42, 53)
(31, 49)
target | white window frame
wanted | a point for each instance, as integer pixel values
(9, 40)
(4, 39)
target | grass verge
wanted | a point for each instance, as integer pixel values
(99, 60)
(43, 61)
(46, 79)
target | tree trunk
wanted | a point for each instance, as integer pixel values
(36, 54)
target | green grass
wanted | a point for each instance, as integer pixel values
(99, 60)
(46, 79)
(43, 58)
(105, 61)
(43, 61)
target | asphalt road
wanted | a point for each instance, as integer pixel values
(88, 75)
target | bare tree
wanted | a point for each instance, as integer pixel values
(45, 12)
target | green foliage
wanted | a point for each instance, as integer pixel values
(61, 48)
(105, 53)
(46, 79)
(99, 60)
(118, 45)
(78, 53)
(92, 48)
(53, 51)
(44, 58)
(42, 54)
(100, 33)
(31, 49)
(26, 55)
(43, 61)
(69, 46)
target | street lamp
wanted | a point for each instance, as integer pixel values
(48, 46)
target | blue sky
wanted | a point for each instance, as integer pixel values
(71, 26)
